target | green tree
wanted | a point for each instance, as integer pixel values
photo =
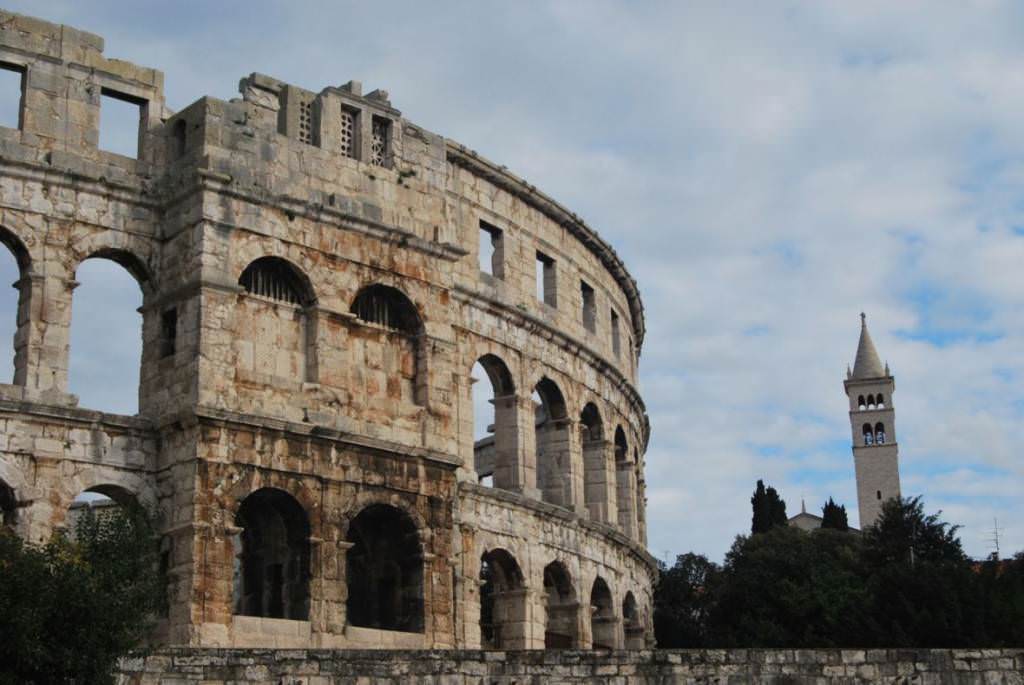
(769, 509)
(904, 533)
(834, 516)
(682, 600)
(70, 608)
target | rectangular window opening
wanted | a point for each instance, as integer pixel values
(491, 252)
(349, 132)
(168, 332)
(589, 307)
(616, 339)
(380, 148)
(120, 122)
(12, 94)
(546, 283)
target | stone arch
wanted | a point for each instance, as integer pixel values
(254, 479)
(278, 279)
(552, 443)
(561, 609)
(632, 623)
(879, 433)
(404, 346)
(603, 623)
(503, 623)
(597, 468)
(625, 484)
(133, 254)
(272, 551)
(384, 570)
(496, 443)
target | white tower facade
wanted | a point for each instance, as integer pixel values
(869, 388)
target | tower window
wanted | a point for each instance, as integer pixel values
(546, 280)
(349, 118)
(869, 436)
(879, 434)
(491, 250)
(120, 120)
(12, 94)
(616, 341)
(589, 306)
(880, 402)
(180, 138)
(274, 278)
(871, 401)
(380, 147)
(878, 494)
(168, 332)
(861, 404)
(306, 122)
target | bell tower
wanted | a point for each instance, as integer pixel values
(869, 388)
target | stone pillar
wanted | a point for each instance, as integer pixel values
(509, 471)
(336, 594)
(42, 341)
(598, 482)
(574, 468)
(526, 446)
(511, 619)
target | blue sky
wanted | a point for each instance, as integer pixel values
(767, 171)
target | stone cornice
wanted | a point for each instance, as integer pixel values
(468, 159)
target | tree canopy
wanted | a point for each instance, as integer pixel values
(71, 608)
(904, 583)
(769, 509)
(833, 516)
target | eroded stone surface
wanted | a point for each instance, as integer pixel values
(281, 379)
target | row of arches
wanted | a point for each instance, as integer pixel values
(871, 402)
(875, 435)
(610, 467)
(503, 611)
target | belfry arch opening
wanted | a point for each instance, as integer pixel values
(560, 608)
(503, 621)
(384, 571)
(603, 624)
(551, 437)
(879, 433)
(495, 436)
(397, 336)
(869, 434)
(106, 333)
(272, 554)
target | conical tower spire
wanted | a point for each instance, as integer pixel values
(867, 364)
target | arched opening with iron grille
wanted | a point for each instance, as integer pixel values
(397, 336)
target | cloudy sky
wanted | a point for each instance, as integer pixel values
(767, 171)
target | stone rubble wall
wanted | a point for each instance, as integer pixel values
(642, 667)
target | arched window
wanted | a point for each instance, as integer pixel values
(861, 404)
(272, 564)
(632, 625)
(106, 333)
(597, 473)
(402, 350)
(8, 506)
(277, 279)
(280, 341)
(385, 571)
(14, 306)
(387, 307)
(560, 608)
(879, 434)
(494, 423)
(880, 400)
(603, 624)
(869, 436)
(871, 401)
(551, 433)
(502, 602)
(625, 485)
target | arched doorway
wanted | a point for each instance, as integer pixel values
(502, 602)
(561, 610)
(602, 616)
(551, 433)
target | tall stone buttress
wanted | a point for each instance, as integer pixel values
(869, 388)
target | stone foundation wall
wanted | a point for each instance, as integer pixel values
(366, 667)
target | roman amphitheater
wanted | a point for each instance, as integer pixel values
(319, 278)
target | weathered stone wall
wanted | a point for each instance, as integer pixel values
(301, 667)
(241, 391)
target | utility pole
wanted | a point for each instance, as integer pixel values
(995, 536)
